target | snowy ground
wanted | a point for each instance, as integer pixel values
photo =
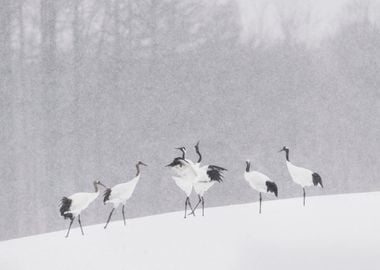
(331, 232)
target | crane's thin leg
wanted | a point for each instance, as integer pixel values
(122, 210)
(187, 202)
(203, 207)
(109, 218)
(68, 231)
(80, 225)
(304, 196)
(260, 203)
(196, 206)
(187, 199)
(191, 208)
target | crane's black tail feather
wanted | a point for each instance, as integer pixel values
(65, 206)
(106, 195)
(272, 187)
(317, 179)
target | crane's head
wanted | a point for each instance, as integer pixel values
(284, 149)
(248, 165)
(197, 145)
(141, 163)
(182, 149)
(99, 183)
(138, 164)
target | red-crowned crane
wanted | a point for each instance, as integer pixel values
(207, 175)
(72, 206)
(119, 194)
(185, 176)
(259, 182)
(302, 176)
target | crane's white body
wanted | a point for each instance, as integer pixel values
(187, 171)
(257, 180)
(203, 181)
(201, 173)
(301, 176)
(120, 193)
(80, 201)
(193, 175)
(184, 184)
(186, 176)
(201, 187)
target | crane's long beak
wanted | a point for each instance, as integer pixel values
(281, 150)
(100, 183)
(143, 164)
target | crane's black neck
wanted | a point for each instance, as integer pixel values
(183, 153)
(248, 166)
(138, 169)
(287, 154)
(96, 187)
(199, 154)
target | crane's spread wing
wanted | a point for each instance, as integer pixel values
(202, 186)
(215, 173)
(184, 184)
(187, 170)
(178, 161)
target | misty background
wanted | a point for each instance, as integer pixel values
(88, 88)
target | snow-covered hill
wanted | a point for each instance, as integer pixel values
(331, 232)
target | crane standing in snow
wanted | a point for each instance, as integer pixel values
(185, 176)
(207, 175)
(120, 193)
(302, 176)
(71, 207)
(259, 182)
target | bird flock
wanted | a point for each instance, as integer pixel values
(188, 176)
